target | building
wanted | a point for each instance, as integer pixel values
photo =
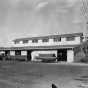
(63, 47)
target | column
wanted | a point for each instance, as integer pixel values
(70, 55)
(12, 53)
(24, 55)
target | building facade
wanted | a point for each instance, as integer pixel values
(65, 39)
(61, 47)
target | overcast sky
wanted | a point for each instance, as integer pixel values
(25, 18)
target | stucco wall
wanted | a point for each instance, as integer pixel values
(70, 56)
(76, 41)
(12, 53)
(23, 53)
(51, 42)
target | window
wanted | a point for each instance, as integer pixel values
(17, 42)
(25, 41)
(70, 38)
(7, 52)
(34, 40)
(45, 40)
(57, 39)
(17, 52)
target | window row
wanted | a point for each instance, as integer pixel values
(47, 40)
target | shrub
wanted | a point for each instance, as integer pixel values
(84, 60)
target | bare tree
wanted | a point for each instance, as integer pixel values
(84, 12)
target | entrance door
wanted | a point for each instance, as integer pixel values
(62, 55)
(29, 55)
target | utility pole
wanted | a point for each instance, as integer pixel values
(84, 15)
(87, 29)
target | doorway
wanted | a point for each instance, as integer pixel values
(62, 55)
(29, 55)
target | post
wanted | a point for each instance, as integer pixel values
(12, 53)
(24, 53)
(70, 55)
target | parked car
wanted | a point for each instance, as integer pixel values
(47, 57)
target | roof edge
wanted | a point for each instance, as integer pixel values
(49, 36)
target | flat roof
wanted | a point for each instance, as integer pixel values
(40, 47)
(49, 36)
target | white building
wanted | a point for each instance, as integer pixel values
(63, 47)
(53, 40)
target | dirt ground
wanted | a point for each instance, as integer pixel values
(42, 75)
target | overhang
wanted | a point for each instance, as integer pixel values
(40, 47)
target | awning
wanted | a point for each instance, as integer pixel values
(39, 47)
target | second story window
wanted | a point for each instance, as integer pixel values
(35, 41)
(71, 38)
(25, 41)
(16, 42)
(57, 39)
(45, 40)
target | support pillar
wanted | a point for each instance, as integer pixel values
(24, 53)
(70, 55)
(12, 53)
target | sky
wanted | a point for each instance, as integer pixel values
(27, 18)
